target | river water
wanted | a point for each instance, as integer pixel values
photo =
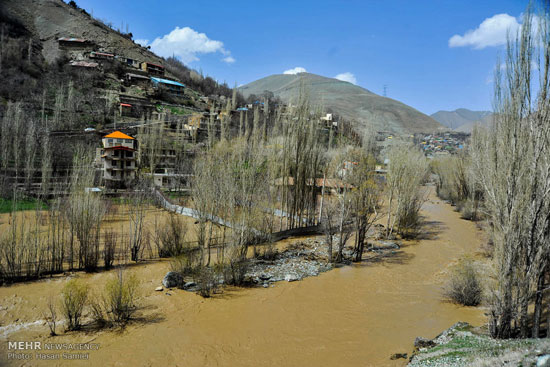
(351, 316)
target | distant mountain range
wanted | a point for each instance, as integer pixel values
(462, 119)
(350, 101)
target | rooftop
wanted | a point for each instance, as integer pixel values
(118, 135)
(166, 81)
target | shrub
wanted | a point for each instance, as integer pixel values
(207, 279)
(51, 319)
(235, 271)
(98, 312)
(109, 248)
(269, 252)
(185, 264)
(171, 237)
(121, 294)
(469, 210)
(73, 300)
(464, 287)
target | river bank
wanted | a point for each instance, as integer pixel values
(354, 315)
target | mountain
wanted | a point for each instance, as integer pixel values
(350, 101)
(462, 119)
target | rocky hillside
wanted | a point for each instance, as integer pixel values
(350, 101)
(48, 20)
(462, 119)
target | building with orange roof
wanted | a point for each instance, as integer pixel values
(118, 159)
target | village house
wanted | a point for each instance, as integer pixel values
(153, 69)
(117, 159)
(137, 79)
(173, 87)
(129, 62)
(74, 43)
(101, 55)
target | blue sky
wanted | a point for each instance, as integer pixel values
(406, 45)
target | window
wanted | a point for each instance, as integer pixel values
(129, 154)
(110, 141)
(119, 141)
(128, 164)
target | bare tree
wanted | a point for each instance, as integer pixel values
(407, 171)
(512, 164)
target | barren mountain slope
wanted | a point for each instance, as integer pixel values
(348, 100)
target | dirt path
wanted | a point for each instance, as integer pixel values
(351, 316)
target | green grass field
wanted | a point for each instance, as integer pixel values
(6, 206)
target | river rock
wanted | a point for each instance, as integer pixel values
(172, 279)
(189, 285)
(543, 361)
(265, 277)
(420, 342)
(291, 278)
(398, 356)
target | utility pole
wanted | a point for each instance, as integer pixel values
(385, 90)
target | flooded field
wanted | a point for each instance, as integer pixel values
(351, 316)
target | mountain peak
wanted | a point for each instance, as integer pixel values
(359, 105)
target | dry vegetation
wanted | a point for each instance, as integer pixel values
(504, 177)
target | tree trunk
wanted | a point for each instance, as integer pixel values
(538, 305)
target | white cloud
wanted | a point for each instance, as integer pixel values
(229, 59)
(491, 32)
(296, 70)
(187, 44)
(346, 77)
(142, 42)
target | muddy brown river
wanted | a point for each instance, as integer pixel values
(352, 316)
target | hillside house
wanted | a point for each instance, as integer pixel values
(74, 43)
(137, 79)
(153, 69)
(118, 159)
(133, 63)
(173, 87)
(101, 55)
(126, 110)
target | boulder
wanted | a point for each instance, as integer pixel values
(265, 277)
(291, 277)
(543, 361)
(420, 342)
(398, 356)
(172, 279)
(189, 285)
(159, 289)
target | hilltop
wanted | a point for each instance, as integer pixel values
(462, 119)
(361, 106)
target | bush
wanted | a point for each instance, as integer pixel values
(171, 237)
(73, 300)
(109, 248)
(469, 210)
(120, 297)
(185, 264)
(464, 287)
(268, 252)
(98, 312)
(235, 271)
(207, 280)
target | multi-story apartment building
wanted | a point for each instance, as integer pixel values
(118, 159)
